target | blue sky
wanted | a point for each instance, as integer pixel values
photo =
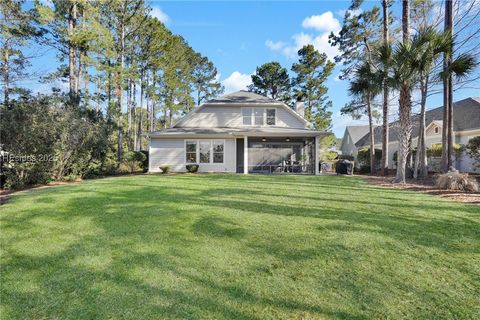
(239, 36)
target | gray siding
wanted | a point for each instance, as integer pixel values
(231, 116)
(172, 152)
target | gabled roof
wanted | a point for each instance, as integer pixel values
(357, 132)
(466, 116)
(243, 97)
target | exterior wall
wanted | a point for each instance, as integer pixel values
(231, 116)
(172, 152)
(348, 147)
(464, 163)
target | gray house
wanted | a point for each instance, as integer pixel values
(351, 136)
(240, 132)
(466, 125)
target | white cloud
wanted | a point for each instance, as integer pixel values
(159, 14)
(322, 23)
(275, 46)
(237, 81)
(320, 42)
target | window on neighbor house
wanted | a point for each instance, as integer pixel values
(191, 151)
(436, 130)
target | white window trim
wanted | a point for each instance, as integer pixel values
(197, 141)
(264, 113)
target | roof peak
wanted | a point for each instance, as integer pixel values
(242, 96)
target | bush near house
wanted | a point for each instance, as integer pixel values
(454, 180)
(134, 160)
(363, 158)
(192, 168)
(165, 169)
(473, 150)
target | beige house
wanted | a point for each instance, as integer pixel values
(466, 125)
(240, 132)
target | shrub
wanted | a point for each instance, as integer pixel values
(133, 160)
(329, 155)
(192, 168)
(436, 150)
(454, 180)
(145, 161)
(165, 169)
(363, 157)
(473, 150)
(346, 157)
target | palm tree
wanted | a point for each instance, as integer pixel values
(366, 84)
(412, 63)
(428, 45)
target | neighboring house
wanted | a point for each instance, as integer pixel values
(240, 132)
(466, 125)
(350, 138)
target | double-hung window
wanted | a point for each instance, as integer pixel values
(271, 117)
(205, 147)
(204, 151)
(259, 116)
(191, 151)
(218, 148)
(247, 116)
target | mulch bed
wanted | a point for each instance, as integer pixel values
(427, 186)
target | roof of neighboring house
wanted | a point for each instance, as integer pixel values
(466, 116)
(357, 132)
(243, 97)
(250, 131)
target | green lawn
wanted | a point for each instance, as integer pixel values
(237, 247)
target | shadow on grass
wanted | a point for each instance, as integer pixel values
(173, 217)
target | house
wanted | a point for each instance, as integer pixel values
(466, 125)
(351, 136)
(241, 132)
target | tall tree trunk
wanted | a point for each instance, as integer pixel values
(119, 91)
(372, 137)
(78, 83)
(140, 116)
(86, 80)
(129, 114)
(134, 123)
(5, 74)
(421, 165)
(72, 20)
(404, 106)
(385, 125)
(447, 129)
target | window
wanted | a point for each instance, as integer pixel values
(258, 116)
(205, 151)
(271, 117)
(247, 116)
(218, 152)
(191, 151)
(436, 130)
(258, 113)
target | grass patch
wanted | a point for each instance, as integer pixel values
(237, 247)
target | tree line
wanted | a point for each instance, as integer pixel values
(423, 56)
(125, 74)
